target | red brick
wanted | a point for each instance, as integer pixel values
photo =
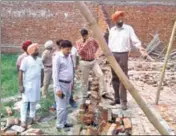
(9, 111)
(10, 121)
(101, 126)
(118, 128)
(90, 109)
(112, 129)
(35, 131)
(91, 131)
(127, 124)
(106, 128)
(106, 114)
(10, 133)
(118, 121)
(16, 121)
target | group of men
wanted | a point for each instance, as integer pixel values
(36, 72)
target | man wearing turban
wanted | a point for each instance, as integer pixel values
(47, 62)
(30, 81)
(22, 56)
(121, 38)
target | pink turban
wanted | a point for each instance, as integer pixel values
(116, 15)
(32, 48)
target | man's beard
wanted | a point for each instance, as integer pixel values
(120, 23)
(36, 54)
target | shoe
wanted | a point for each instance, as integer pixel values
(23, 124)
(34, 121)
(106, 96)
(115, 102)
(68, 125)
(73, 104)
(59, 129)
(29, 122)
(66, 129)
(124, 106)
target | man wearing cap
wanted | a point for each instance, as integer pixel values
(30, 81)
(121, 38)
(47, 62)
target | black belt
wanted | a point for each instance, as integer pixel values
(63, 81)
(119, 52)
(48, 66)
(87, 60)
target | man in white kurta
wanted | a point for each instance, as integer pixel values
(31, 68)
(63, 78)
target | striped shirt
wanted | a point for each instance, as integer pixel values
(88, 49)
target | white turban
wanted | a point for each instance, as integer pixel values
(49, 44)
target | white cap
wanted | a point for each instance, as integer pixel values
(49, 44)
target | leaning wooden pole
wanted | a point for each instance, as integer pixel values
(123, 78)
(165, 62)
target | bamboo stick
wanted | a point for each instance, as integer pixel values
(123, 78)
(165, 62)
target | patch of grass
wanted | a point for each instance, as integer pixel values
(4, 112)
(46, 104)
(4, 105)
(9, 77)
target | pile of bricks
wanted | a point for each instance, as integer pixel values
(101, 121)
(12, 127)
(95, 117)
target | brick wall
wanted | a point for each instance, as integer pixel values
(148, 20)
(40, 21)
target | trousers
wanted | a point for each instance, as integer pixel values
(24, 109)
(86, 66)
(119, 89)
(62, 104)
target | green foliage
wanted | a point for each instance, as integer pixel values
(9, 77)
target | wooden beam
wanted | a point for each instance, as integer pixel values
(165, 62)
(123, 78)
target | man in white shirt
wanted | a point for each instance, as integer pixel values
(30, 81)
(121, 38)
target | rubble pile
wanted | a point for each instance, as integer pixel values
(13, 127)
(150, 66)
(149, 73)
(95, 117)
(100, 120)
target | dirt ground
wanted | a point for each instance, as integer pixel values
(145, 77)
